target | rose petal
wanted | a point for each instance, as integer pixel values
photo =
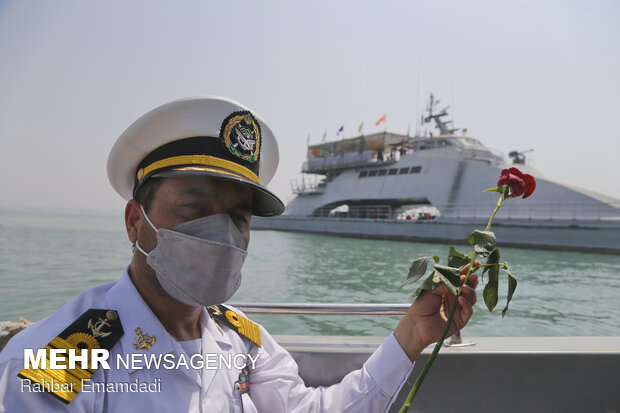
(519, 182)
(517, 172)
(530, 183)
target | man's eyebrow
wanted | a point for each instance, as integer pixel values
(196, 192)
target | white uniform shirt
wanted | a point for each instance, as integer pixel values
(275, 385)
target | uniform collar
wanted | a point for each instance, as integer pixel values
(134, 313)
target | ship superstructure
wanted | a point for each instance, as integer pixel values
(391, 176)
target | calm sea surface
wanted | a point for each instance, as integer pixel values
(46, 259)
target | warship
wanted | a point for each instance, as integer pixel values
(429, 188)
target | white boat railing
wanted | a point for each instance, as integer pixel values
(321, 308)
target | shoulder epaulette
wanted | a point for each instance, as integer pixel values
(242, 325)
(95, 329)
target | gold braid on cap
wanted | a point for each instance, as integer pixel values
(202, 160)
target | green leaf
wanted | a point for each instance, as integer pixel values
(494, 261)
(450, 276)
(431, 282)
(490, 296)
(512, 286)
(490, 290)
(483, 241)
(498, 189)
(418, 268)
(451, 273)
(456, 259)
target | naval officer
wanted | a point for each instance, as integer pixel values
(194, 171)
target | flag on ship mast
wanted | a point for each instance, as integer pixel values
(340, 130)
(324, 136)
(359, 129)
(381, 119)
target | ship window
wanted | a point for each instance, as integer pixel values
(415, 169)
(393, 171)
(363, 174)
(382, 172)
(372, 173)
(403, 171)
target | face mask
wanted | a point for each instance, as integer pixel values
(198, 262)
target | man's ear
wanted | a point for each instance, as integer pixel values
(133, 217)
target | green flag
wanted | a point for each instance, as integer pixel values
(361, 127)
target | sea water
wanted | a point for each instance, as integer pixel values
(46, 259)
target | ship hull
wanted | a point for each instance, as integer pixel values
(587, 236)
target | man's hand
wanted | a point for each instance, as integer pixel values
(427, 316)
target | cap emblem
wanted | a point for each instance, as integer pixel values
(240, 133)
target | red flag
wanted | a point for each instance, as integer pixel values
(382, 119)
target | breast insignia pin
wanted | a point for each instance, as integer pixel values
(143, 340)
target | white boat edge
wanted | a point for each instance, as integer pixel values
(497, 374)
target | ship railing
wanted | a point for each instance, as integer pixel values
(322, 308)
(340, 309)
(552, 211)
(307, 186)
(321, 165)
(352, 212)
(535, 211)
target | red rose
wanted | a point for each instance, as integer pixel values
(521, 184)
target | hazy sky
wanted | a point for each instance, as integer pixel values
(540, 75)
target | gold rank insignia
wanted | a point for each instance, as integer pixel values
(95, 329)
(242, 325)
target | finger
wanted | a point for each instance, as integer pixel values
(441, 290)
(466, 310)
(473, 281)
(466, 267)
(469, 294)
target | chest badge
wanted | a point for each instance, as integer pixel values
(143, 340)
(243, 384)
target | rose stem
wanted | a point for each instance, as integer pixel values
(433, 356)
(497, 207)
(439, 343)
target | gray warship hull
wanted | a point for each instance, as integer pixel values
(587, 236)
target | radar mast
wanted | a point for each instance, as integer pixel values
(436, 116)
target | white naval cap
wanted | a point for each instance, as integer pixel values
(208, 135)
